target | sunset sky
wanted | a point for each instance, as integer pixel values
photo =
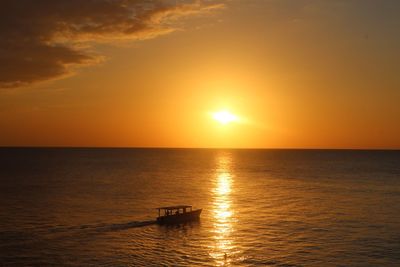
(239, 73)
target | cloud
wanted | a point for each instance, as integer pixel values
(42, 39)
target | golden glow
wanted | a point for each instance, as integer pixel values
(224, 117)
(231, 87)
(224, 249)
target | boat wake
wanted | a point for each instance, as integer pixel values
(103, 227)
(125, 226)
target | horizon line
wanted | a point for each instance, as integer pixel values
(205, 148)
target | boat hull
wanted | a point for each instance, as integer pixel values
(180, 218)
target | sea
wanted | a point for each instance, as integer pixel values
(97, 207)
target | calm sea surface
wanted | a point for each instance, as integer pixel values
(95, 207)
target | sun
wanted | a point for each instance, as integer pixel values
(224, 117)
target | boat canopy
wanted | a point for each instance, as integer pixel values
(174, 207)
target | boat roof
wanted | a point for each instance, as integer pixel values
(174, 207)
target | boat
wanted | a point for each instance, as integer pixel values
(177, 214)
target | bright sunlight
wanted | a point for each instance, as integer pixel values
(224, 117)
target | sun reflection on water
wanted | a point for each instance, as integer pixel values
(223, 211)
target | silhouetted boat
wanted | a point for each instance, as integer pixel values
(177, 214)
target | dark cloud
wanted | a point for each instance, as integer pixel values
(42, 39)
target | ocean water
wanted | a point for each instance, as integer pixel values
(96, 207)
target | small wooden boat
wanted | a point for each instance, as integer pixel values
(177, 214)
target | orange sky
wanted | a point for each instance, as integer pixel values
(298, 74)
